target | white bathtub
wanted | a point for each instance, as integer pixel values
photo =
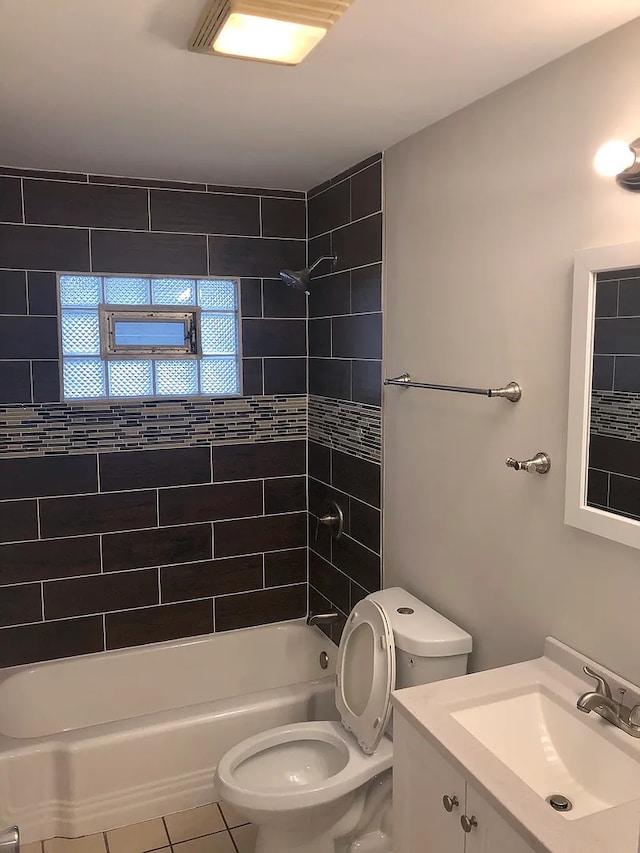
(103, 740)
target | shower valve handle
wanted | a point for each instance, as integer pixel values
(332, 518)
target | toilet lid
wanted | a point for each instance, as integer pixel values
(366, 674)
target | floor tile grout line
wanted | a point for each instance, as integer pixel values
(169, 844)
(193, 838)
(233, 841)
(164, 820)
(229, 827)
(224, 820)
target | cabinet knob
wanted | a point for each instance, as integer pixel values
(450, 803)
(468, 823)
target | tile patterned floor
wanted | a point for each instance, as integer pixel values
(208, 829)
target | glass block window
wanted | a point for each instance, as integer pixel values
(143, 357)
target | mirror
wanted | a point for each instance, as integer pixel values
(603, 448)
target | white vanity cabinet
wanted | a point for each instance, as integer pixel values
(423, 823)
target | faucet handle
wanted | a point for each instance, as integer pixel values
(602, 685)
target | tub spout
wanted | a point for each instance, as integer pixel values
(322, 618)
(10, 840)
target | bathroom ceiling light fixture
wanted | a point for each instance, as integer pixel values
(280, 31)
(619, 159)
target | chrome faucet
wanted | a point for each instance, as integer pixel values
(600, 700)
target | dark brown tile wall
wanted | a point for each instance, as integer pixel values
(123, 557)
(345, 363)
(63, 203)
(245, 609)
(617, 332)
(345, 309)
(51, 223)
(205, 213)
(614, 449)
(106, 550)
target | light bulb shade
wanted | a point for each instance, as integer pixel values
(614, 157)
(281, 31)
(252, 37)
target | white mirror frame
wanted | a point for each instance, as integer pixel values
(588, 263)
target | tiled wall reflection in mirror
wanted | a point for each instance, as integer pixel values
(614, 446)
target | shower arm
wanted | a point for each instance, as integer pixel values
(333, 258)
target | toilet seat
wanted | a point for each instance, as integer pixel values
(366, 674)
(339, 767)
(305, 765)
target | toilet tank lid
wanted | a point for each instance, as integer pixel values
(423, 631)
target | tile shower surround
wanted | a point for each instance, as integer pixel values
(76, 224)
(107, 541)
(118, 574)
(118, 549)
(345, 352)
(614, 450)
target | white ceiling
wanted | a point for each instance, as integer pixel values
(109, 87)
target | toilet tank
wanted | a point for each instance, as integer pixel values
(428, 646)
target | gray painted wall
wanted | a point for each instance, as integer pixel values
(483, 213)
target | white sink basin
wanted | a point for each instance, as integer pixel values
(516, 737)
(554, 751)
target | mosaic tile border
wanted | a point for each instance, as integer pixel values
(59, 428)
(616, 414)
(354, 428)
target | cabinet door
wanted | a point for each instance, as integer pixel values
(421, 778)
(492, 834)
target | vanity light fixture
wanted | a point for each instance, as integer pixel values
(280, 31)
(619, 159)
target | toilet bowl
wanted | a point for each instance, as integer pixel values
(296, 768)
(298, 782)
(313, 787)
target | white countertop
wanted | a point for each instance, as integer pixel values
(428, 708)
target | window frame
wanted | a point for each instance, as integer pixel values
(108, 316)
(200, 358)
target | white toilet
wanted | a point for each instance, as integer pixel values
(324, 787)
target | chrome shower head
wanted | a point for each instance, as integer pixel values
(299, 279)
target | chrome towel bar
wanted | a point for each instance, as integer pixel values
(512, 391)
